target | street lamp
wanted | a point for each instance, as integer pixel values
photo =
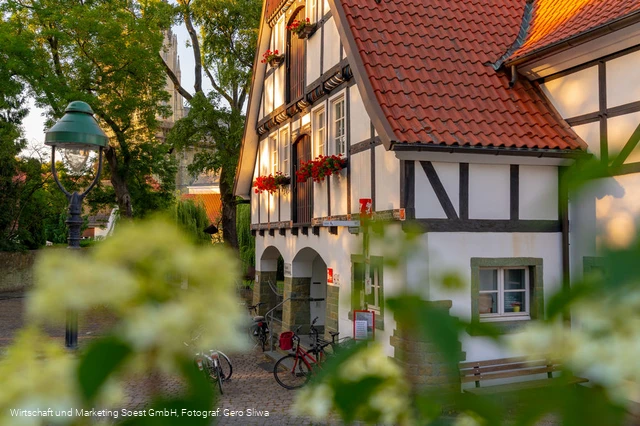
(76, 131)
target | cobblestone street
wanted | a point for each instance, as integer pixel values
(251, 389)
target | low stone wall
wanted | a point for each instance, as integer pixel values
(16, 270)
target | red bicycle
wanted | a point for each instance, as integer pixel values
(294, 370)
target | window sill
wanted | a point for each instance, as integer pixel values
(502, 326)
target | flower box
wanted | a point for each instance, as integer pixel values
(273, 58)
(271, 183)
(302, 29)
(321, 167)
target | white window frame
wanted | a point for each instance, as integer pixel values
(285, 151)
(273, 153)
(524, 314)
(339, 127)
(319, 131)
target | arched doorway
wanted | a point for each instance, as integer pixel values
(266, 288)
(305, 292)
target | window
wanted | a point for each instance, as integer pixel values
(312, 7)
(273, 148)
(284, 153)
(367, 294)
(506, 291)
(339, 128)
(319, 133)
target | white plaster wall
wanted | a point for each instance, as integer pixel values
(264, 170)
(314, 44)
(449, 174)
(582, 229)
(285, 203)
(452, 252)
(320, 199)
(261, 112)
(538, 192)
(278, 99)
(590, 133)
(325, 8)
(360, 165)
(268, 95)
(339, 193)
(574, 94)
(360, 122)
(619, 131)
(331, 45)
(387, 180)
(489, 191)
(426, 202)
(254, 198)
(273, 207)
(623, 80)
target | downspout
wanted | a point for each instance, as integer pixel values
(514, 76)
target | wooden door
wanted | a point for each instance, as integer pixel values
(303, 197)
(295, 61)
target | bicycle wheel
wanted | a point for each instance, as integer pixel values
(263, 338)
(219, 374)
(291, 372)
(225, 365)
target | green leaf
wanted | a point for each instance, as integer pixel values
(100, 360)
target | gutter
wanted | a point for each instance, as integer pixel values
(578, 39)
(526, 152)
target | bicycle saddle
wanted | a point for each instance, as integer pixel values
(258, 318)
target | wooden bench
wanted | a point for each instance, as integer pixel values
(506, 368)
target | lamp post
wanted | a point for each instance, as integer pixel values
(76, 131)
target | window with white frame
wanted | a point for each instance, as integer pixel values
(277, 34)
(273, 149)
(284, 151)
(312, 7)
(338, 128)
(319, 133)
(504, 293)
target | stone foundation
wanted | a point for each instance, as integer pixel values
(331, 317)
(296, 311)
(424, 364)
(262, 291)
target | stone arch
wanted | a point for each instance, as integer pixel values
(267, 280)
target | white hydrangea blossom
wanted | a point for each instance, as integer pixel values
(389, 402)
(603, 343)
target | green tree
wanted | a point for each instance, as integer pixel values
(101, 52)
(192, 219)
(224, 52)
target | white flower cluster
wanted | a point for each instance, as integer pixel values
(603, 344)
(388, 404)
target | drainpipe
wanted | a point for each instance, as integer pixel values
(514, 76)
(563, 204)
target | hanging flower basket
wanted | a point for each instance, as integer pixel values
(271, 183)
(321, 167)
(273, 58)
(302, 29)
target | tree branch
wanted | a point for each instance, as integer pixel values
(197, 55)
(218, 88)
(175, 80)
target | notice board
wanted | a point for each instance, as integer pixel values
(364, 325)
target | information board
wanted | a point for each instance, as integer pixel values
(364, 325)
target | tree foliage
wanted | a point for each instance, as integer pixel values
(223, 52)
(101, 52)
(192, 218)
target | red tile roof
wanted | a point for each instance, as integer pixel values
(428, 62)
(211, 202)
(554, 21)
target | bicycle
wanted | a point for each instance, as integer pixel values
(294, 370)
(216, 366)
(258, 330)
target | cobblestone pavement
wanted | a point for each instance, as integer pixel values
(250, 390)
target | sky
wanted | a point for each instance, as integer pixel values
(33, 124)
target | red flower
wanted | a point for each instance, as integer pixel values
(297, 26)
(270, 183)
(321, 167)
(269, 55)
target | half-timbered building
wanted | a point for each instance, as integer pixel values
(459, 117)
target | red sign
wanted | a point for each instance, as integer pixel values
(329, 275)
(366, 207)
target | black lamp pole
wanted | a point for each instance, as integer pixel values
(77, 129)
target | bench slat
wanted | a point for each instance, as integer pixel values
(508, 374)
(504, 367)
(471, 364)
(533, 384)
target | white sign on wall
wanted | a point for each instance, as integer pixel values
(287, 269)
